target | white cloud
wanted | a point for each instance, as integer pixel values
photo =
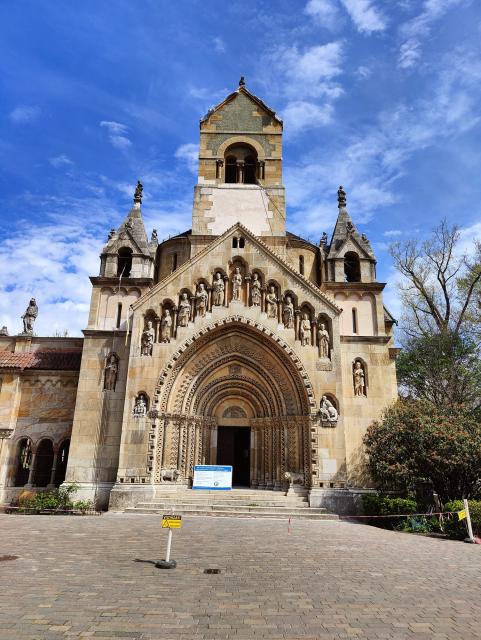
(219, 44)
(363, 72)
(365, 15)
(24, 114)
(415, 30)
(60, 161)
(189, 153)
(324, 11)
(117, 134)
(299, 115)
(391, 233)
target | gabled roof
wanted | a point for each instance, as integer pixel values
(233, 96)
(47, 360)
(256, 241)
(345, 230)
(132, 229)
(388, 317)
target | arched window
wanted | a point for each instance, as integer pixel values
(174, 262)
(62, 459)
(119, 315)
(234, 242)
(241, 164)
(301, 265)
(352, 267)
(231, 170)
(241, 243)
(124, 262)
(354, 320)
(24, 458)
(43, 464)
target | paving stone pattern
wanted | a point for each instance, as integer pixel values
(78, 578)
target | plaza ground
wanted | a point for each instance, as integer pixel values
(93, 577)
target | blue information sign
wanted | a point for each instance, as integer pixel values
(212, 476)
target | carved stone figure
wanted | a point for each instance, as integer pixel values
(169, 474)
(288, 313)
(328, 410)
(201, 299)
(256, 290)
(184, 310)
(236, 284)
(293, 477)
(154, 237)
(148, 337)
(165, 326)
(305, 330)
(111, 371)
(271, 302)
(140, 407)
(323, 240)
(112, 233)
(341, 197)
(138, 192)
(359, 379)
(323, 341)
(218, 290)
(29, 317)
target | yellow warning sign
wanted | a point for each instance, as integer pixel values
(171, 522)
(462, 514)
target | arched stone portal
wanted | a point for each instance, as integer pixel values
(234, 376)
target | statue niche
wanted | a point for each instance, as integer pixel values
(201, 300)
(328, 411)
(271, 302)
(185, 309)
(288, 313)
(237, 285)
(111, 372)
(148, 339)
(140, 406)
(256, 295)
(359, 378)
(305, 330)
(323, 340)
(166, 326)
(218, 290)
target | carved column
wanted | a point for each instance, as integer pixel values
(33, 466)
(218, 169)
(51, 484)
(314, 332)
(263, 299)
(192, 308)
(248, 290)
(240, 171)
(226, 286)
(262, 169)
(209, 301)
(175, 311)
(190, 453)
(279, 310)
(297, 324)
(213, 444)
(275, 455)
(159, 448)
(268, 455)
(157, 330)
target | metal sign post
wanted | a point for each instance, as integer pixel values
(169, 521)
(468, 522)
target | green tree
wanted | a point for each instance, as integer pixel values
(417, 441)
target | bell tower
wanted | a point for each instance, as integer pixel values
(240, 169)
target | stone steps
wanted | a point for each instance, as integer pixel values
(234, 512)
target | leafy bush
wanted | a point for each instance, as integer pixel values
(456, 528)
(420, 524)
(83, 505)
(376, 505)
(57, 500)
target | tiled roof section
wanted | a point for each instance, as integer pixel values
(48, 360)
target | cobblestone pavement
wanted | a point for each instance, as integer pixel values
(77, 577)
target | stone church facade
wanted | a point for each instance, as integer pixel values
(236, 342)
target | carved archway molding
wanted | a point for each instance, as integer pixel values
(284, 352)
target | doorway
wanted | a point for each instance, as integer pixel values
(233, 448)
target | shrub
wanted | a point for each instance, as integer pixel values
(456, 528)
(376, 505)
(83, 505)
(58, 500)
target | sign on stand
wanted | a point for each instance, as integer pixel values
(171, 522)
(213, 477)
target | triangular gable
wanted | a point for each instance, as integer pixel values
(232, 96)
(283, 264)
(356, 244)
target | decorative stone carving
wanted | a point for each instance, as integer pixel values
(111, 371)
(359, 379)
(184, 310)
(293, 477)
(201, 299)
(112, 233)
(165, 326)
(218, 290)
(4, 331)
(138, 192)
(323, 341)
(305, 330)
(288, 313)
(328, 411)
(234, 412)
(140, 406)
(236, 284)
(29, 317)
(323, 240)
(148, 338)
(154, 237)
(256, 294)
(6, 433)
(169, 474)
(341, 197)
(271, 302)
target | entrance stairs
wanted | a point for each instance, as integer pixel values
(246, 503)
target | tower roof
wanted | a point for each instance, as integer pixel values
(345, 229)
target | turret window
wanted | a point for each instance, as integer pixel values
(352, 267)
(241, 165)
(124, 262)
(301, 265)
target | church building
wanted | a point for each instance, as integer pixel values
(234, 342)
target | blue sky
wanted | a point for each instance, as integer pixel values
(382, 96)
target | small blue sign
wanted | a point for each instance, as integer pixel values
(213, 477)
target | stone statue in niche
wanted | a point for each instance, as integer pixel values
(184, 310)
(323, 341)
(359, 379)
(328, 410)
(111, 371)
(201, 299)
(140, 406)
(236, 284)
(218, 290)
(271, 302)
(29, 317)
(305, 330)
(288, 313)
(256, 290)
(165, 326)
(148, 338)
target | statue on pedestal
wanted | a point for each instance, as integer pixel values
(305, 330)
(184, 310)
(218, 290)
(29, 317)
(111, 371)
(288, 313)
(140, 407)
(236, 284)
(256, 290)
(201, 300)
(148, 338)
(323, 341)
(359, 379)
(328, 410)
(271, 302)
(165, 326)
